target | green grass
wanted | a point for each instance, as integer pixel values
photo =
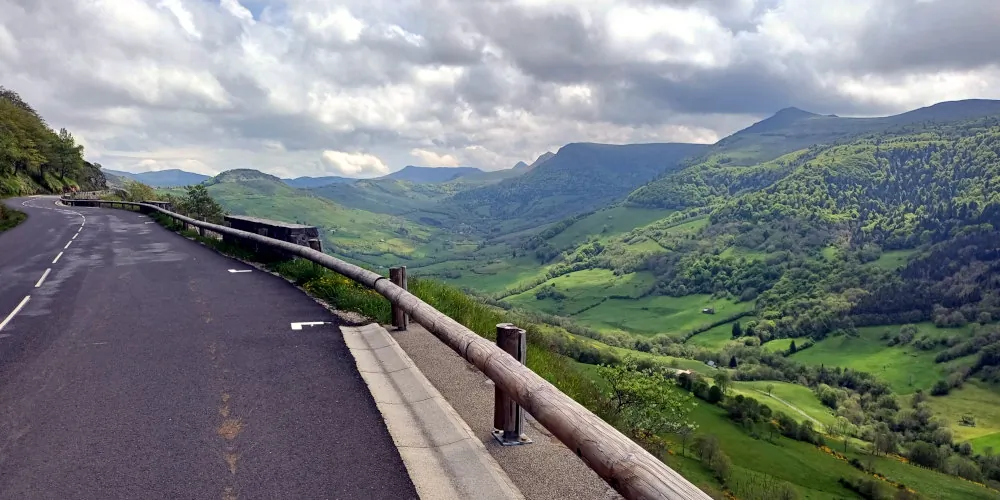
(659, 314)
(736, 252)
(10, 217)
(715, 338)
(495, 275)
(978, 399)
(813, 472)
(779, 345)
(582, 289)
(905, 368)
(893, 259)
(797, 396)
(607, 223)
(931, 484)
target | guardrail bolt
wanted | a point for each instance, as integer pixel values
(508, 418)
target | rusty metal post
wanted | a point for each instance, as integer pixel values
(508, 418)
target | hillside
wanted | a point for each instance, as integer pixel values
(315, 182)
(374, 238)
(787, 131)
(35, 158)
(163, 178)
(579, 178)
(420, 175)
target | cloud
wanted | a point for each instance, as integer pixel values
(354, 165)
(432, 159)
(278, 84)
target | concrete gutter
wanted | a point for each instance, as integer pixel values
(444, 458)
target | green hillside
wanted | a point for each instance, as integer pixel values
(34, 158)
(377, 239)
(844, 272)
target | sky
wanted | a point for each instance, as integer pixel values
(364, 87)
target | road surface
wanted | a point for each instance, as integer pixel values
(134, 364)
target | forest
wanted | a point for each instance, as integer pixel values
(34, 158)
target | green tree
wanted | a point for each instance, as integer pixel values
(722, 381)
(199, 204)
(792, 349)
(642, 401)
(137, 191)
(737, 330)
(685, 432)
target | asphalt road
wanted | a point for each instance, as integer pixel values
(141, 367)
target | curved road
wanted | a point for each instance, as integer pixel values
(133, 364)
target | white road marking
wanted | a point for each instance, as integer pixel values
(241, 270)
(98, 343)
(298, 326)
(16, 310)
(67, 245)
(57, 258)
(81, 229)
(149, 222)
(42, 279)
(75, 235)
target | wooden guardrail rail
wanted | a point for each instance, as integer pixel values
(625, 465)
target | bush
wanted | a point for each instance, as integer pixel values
(940, 388)
(714, 395)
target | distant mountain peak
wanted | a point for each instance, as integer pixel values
(792, 111)
(520, 166)
(243, 174)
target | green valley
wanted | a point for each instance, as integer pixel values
(840, 274)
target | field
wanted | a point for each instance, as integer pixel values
(777, 345)
(581, 290)
(788, 397)
(717, 337)
(976, 399)
(905, 368)
(894, 259)
(605, 224)
(659, 314)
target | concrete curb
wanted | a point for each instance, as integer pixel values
(444, 458)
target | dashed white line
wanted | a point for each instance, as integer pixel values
(57, 258)
(241, 270)
(14, 312)
(67, 245)
(42, 279)
(75, 235)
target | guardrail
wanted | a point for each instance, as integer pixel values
(626, 466)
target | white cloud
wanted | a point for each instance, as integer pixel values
(354, 164)
(291, 86)
(238, 11)
(432, 159)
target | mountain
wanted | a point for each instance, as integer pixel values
(430, 174)
(362, 235)
(788, 131)
(520, 166)
(163, 178)
(544, 157)
(580, 177)
(314, 182)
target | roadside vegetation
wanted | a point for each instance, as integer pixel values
(10, 217)
(34, 158)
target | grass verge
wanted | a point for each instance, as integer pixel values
(10, 218)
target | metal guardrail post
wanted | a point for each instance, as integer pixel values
(397, 275)
(508, 418)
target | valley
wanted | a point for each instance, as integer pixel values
(841, 271)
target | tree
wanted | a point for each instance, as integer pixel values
(737, 330)
(844, 428)
(714, 394)
(792, 349)
(770, 387)
(137, 191)
(940, 388)
(722, 381)
(642, 401)
(732, 361)
(685, 432)
(198, 204)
